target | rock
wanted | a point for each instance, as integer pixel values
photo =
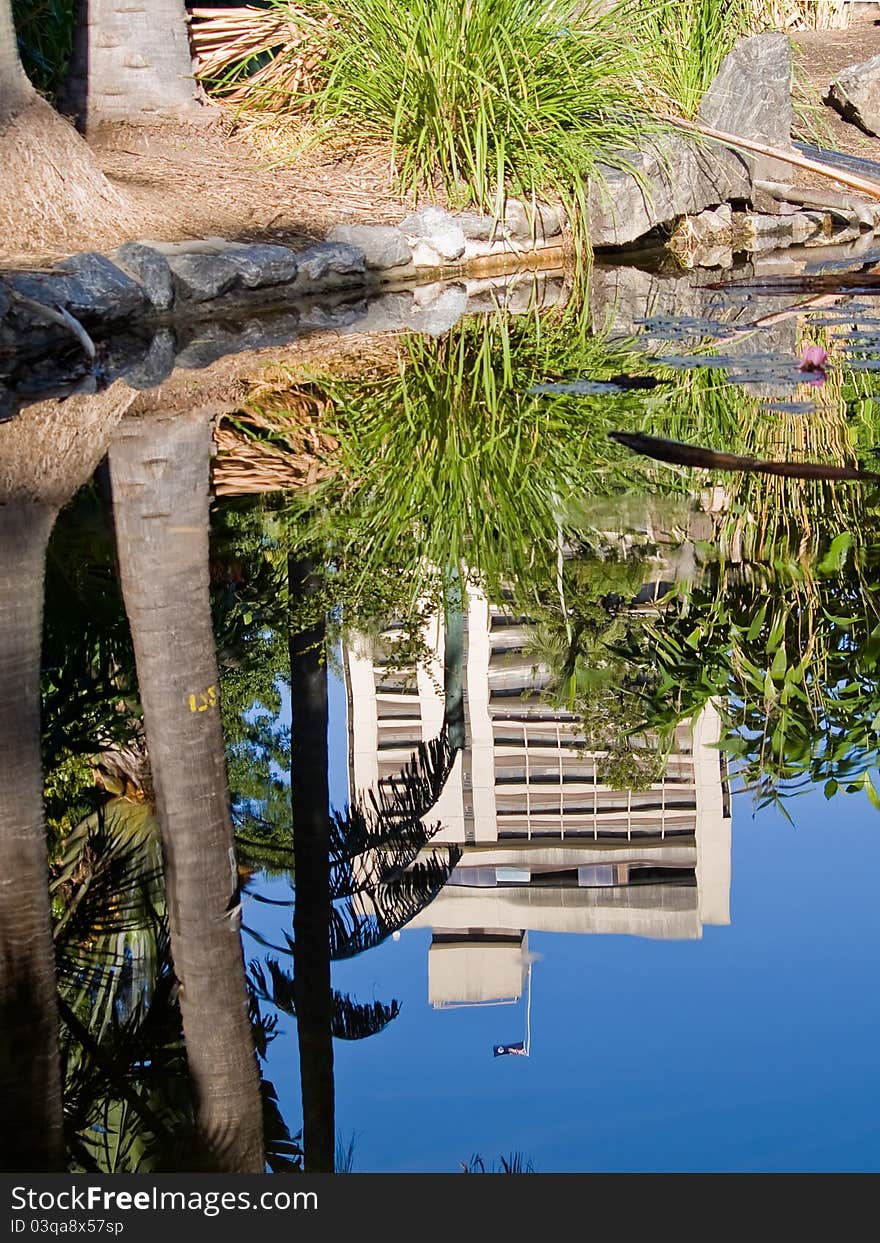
(480, 228)
(204, 269)
(713, 223)
(439, 229)
(111, 292)
(804, 226)
(682, 178)
(437, 308)
(263, 265)
(389, 312)
(4, 303)
(201, 277)
(10, 404)
(704, 240)
(329, 265)
(209, 340)
(425, 256)
(151, 271)
(751, 96)
(333, 317)
(527, 222)
(820, 221)
(855, 93)
(847, 206)
(383, 245)
(90, 291)
(759, 226)
(849, 233)
(713, 255)
(156, 364)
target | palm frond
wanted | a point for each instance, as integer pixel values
(366, 919)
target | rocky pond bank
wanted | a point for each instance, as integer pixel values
(682, 201)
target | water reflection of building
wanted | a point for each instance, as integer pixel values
(547, 846)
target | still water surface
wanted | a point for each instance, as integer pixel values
(598, 734)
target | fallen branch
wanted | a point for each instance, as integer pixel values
(863, 184)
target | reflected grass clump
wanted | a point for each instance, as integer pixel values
(451, 460)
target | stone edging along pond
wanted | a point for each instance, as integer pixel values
(156, 282)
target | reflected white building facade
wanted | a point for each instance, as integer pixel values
(546, 846)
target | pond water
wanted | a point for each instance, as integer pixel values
(551, 765)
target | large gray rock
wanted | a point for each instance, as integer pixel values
(150, 269)
(673, 176)
(383, 245)
(751, 97)
(200, 277)
(156, 364)
(622, 298)
(437, 308)
(111, 292)
(479, 228)
(263, 265)
(855, 93)
(89, 286)
(204, 269)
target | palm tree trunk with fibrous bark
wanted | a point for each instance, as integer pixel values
(310, 804)
(15, 89)
(30, 1085)
(159, 470)
(131, 63)
(51, 188)
(46, 453)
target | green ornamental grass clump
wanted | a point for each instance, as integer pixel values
(476, 94)
(685, 41)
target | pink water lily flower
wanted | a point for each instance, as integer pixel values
(813, 359)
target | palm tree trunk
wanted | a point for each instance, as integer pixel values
(160, 472)
(310, 804)
(30, 1084)
(132, 64)
(15, 90)
(47, 452)
(52, 189)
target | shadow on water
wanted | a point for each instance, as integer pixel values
(552, 653)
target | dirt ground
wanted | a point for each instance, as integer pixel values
(216, 179)
(819, 57)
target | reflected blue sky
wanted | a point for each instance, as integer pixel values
(752, 1049)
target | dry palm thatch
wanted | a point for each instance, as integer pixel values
(803, 14)
(273, 450)
(265, 56)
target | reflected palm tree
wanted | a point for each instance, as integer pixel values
(358, 876)
(45, 455)
(128, 1103)
(159, 474)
